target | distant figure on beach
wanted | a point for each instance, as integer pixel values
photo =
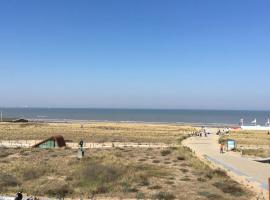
(81, 143)
(268, 133)
(19, 196)
(81, 150)
(221, 148)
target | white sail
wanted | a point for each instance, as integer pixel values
(254, 121)
(241, 122)
(267, 123)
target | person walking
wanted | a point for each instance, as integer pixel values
(221, 148)
(19, 196)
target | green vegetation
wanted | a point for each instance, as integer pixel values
(141, 173)
(96, 132)
(254, 143)
(230, 187)
(263, 153)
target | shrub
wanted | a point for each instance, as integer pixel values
(219, 172)
(230, 187)
(128, 188)
(208, 175)
(184, 170)
(181, 158)
(181, 138)
(7, 180)
(144, 181)
(4, 154)
(165, 152)
(185, 179)
(101, 190)
(200, 179)
(142, 159)
(164, 196)
(140, 195)
(169, 182)
(101, 173)
(33, 173)
(155, 187)
(59, 190)
(30, 175)
(210, 196)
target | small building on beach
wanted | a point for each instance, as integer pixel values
(52, 142)
(231, 144)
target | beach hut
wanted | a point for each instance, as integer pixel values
(231, 144)
(52, 142)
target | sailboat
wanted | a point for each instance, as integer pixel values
(254, 126)
(268, 122)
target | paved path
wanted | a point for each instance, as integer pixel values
(246, 170)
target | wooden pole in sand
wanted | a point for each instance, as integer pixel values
(269, 187)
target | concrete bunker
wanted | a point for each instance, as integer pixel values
(56, 141)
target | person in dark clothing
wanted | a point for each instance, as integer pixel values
(19, 196)
(81, 143)
(82, 152)
(81, 148)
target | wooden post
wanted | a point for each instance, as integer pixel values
(269, 187)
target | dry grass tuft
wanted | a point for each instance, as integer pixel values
(164, 196)
(230, 187)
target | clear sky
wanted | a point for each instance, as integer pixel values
(206, 54)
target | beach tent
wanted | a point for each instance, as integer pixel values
(52, 142)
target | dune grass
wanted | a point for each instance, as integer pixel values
(152, 173)
(96, 132)
(117, 172)
(262, 153)
(246, 138)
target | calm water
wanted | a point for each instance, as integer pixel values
(139, 115)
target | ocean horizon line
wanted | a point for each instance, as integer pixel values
(122, 108)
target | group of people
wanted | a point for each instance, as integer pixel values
(201, 133)
(226, 131)
(205, 133)
(19, 196)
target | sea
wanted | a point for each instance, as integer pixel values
(199, 117)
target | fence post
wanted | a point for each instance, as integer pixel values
(269, 187)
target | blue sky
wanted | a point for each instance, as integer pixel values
(135, 54)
